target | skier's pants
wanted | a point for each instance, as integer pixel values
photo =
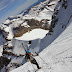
(35, 62)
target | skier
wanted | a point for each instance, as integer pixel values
(29, 57)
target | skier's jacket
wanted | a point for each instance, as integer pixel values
(29, 56)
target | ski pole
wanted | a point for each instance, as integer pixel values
(41, 58)
(24, 47)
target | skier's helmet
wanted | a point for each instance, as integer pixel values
(28, 51)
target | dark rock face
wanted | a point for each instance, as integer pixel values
(54, 17)
(3, 61)
(54, 21)
(64, 4)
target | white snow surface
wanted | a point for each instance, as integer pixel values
(34, 34)
(58, 55)
(1, 50)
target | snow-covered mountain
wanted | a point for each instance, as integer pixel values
(45, 29)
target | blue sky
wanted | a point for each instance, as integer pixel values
(7, 8)
(13, 7)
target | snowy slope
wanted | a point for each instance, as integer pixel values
(34, 34)
(50, 22)
(58, 54)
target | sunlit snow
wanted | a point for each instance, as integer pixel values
(34, 34)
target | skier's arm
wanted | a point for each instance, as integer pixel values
(34, 55)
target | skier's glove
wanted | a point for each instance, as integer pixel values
(37, 54)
